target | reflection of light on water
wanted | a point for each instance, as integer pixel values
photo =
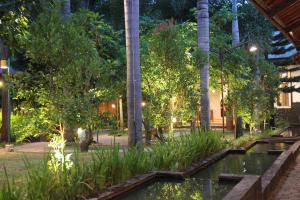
(244, 167)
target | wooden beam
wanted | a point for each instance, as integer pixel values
(294, 25)
(280, 7)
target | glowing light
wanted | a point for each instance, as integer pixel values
(253, 48)
(1, 83)
(174, 120)
(113, 106)
(143, 104)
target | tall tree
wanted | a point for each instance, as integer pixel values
(134, 94)
(235, 24)
(236, 41)
(203, 44)
(66, 9)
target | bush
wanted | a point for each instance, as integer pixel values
(29, 127)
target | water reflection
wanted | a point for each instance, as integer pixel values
(194, 189)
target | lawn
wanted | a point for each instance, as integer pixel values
(13, 163)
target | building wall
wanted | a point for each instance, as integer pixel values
(296, 95)
(215, 107)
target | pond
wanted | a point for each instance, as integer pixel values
(205, 185)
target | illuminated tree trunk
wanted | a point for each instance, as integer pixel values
(134, 94)
(235, 25)
(66, 9)
(236, 41)
(203, 44)
(257, 84)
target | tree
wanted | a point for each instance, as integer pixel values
(170, 76)
(66, 9)
(203, 44)
(69, 86)
(236, 41)
(134, 94)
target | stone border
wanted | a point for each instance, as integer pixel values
(272, 175)
(249, 188)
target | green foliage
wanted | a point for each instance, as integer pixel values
(8, 190)
(248, 138)
(169, 76)
(110, 166)
(73, 66)
(29, 127)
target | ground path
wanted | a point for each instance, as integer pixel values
(41, 147)
(288, 188)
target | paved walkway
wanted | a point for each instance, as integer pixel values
(288, 188)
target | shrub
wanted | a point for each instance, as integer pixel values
(29, 127)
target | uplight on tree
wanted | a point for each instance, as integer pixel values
(143, 104)
(174, 119)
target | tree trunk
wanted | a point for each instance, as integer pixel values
(84, 145)
(84, 4)
(134, 94)
(257, 85)
(148, 131)
(236, 41)
(193, 125)
(69, 134)
(203, 44)
(5, 129)
(235, 25)
(66, 9)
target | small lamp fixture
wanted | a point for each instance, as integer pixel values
(143, 104)
(174, 120)
(253, 48)
(113, 106)
(4, 64)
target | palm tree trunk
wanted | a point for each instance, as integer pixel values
(203, 44)
(66, 9)
(84, 4)
(236, 41)
(134, 94)
(66, 13)
(235, 25)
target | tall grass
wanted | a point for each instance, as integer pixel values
(248, 138)
(110, 166)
